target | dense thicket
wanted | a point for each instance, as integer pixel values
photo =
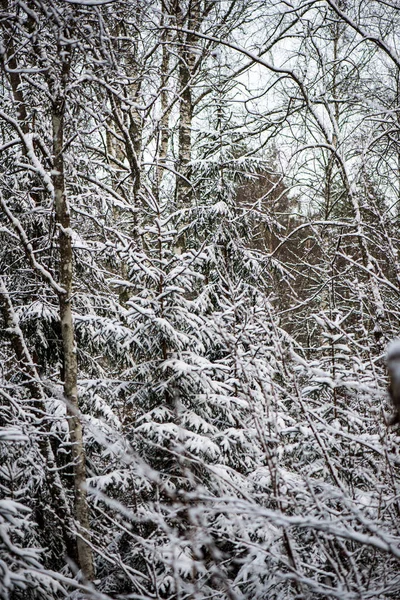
(199, 275)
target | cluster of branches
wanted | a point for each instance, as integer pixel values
(199, 275)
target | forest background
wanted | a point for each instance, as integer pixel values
(199, 274)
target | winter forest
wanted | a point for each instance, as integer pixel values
(199, 279)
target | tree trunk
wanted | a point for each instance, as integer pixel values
(187, 65)
(85, 556)
(164, 121)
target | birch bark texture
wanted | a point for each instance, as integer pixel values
(187, 68)
(63, 220)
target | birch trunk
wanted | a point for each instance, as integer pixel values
(165, 111)
(183, 185)
(187, 67)
(81, 509)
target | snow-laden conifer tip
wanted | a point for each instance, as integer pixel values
(393, 349)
